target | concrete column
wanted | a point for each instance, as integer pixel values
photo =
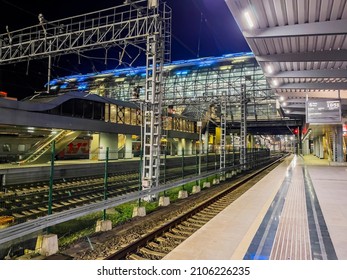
(299, 141)
(180, 146)
(193, 147)
(305, 147)
(173, 148)
(94, 147)
(338, 143)
(188, 150)
(128, 147)
(205, 149)
(316, 146)
(250, 141)
(320, 147)
(111, 141)
(169, 146)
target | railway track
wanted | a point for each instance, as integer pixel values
(33, 203)
(29, 201)
(161, 240)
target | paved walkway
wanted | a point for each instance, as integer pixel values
(296, 212)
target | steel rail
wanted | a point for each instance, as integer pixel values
(29, 227)
(122, 253)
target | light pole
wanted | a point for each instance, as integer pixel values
(199, 125)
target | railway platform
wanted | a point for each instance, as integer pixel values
(296, 212)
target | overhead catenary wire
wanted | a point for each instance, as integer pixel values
(204, 20)
(19, 8)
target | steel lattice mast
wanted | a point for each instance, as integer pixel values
(135, 23)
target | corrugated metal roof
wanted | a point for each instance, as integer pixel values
(301, 45)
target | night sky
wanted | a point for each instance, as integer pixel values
(207, 21)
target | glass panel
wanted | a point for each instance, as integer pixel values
(133, 117)
(107, 112)
(113, 116)
(127, 115)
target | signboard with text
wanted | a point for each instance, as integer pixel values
(323, 111)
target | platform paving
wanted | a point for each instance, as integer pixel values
(296, 212)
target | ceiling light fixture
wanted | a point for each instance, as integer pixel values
(275, 82)
(269, 69)
(249, 19)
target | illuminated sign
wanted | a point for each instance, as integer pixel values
(323, 111)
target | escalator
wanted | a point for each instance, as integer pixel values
(41, 151)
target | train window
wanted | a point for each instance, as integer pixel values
(6, 148)
(68, 107)
(79, 109)
(88, 109)
(98, 111)
(21, 148)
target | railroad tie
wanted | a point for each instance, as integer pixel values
(175, 236)
(135, 257)
(181, 232)
(153, 245)
(187, 229)
(160, 239)
(166, 242)
(210, 214)
(197, 221)
(202, 217)
(147, 252)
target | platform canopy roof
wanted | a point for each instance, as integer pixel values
(301, 46)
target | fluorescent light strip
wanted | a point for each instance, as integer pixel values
(249, 19)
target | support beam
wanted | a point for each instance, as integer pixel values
(333, 55)
(325, 73)
(338, 155)
(325, 86)
(297, 105)
(337, 27)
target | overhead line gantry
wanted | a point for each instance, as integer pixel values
(142, 24)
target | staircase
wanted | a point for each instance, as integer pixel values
(41, 152)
